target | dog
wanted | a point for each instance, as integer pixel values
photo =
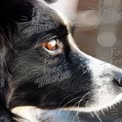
(41, 67)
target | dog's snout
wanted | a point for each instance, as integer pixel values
(107, 71)
(118, 79)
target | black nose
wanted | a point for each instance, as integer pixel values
(118, 79)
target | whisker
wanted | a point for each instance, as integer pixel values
(68, 103)
(71, 111)
(92, 115)
(98, 117)
(76, 115)
(103, 112)
(79, 102)
(70, 96)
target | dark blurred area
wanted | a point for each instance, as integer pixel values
(98, 32)
(50, 1)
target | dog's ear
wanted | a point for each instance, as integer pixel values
(16, 10)
(11, 11)
(5, 114)
(4, 75)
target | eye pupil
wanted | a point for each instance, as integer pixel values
(50, 45)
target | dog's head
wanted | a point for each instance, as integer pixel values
(45, 68)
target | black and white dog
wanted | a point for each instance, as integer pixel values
(41, 68)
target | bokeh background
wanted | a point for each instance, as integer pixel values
(98, 32)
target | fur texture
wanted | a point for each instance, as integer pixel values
(31, 75)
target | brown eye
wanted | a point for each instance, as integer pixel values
(51, 45)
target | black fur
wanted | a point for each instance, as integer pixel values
(37, 78)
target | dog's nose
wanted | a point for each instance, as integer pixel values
(118, 80)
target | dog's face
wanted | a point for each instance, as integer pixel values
(49, 71)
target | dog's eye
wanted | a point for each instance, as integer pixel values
(51, 45)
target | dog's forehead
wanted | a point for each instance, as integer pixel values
(43, 19)
(45, 16)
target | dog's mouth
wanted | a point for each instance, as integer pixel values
(95, 107)
(93, 104)
(34, 114)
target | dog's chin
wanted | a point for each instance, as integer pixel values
(35, 114)
(97, 106)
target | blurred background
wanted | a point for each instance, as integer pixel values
(98, 32)
(98, 26)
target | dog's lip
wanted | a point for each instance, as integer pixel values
(94, 107)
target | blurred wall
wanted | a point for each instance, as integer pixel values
(98, 25)
(103, 40)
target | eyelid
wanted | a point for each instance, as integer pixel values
(45, 39)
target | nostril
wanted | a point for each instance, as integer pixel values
(118, 81)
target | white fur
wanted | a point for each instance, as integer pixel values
(28, 113)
